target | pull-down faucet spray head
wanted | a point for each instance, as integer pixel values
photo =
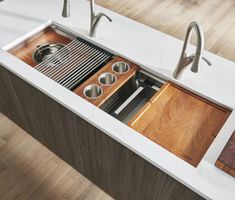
(196, 58)
(66, 8)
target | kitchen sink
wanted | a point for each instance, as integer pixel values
(60, 55)
(173, 117)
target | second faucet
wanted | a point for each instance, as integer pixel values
(196, 58)
(94, 20)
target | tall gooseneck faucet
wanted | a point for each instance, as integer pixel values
(195, 58)
(94, 20)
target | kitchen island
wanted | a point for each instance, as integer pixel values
(155, 52)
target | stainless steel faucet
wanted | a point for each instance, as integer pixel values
(95, 18)
(195, 58)
(66, 8)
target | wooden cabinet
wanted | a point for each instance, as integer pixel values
(113, 167)
(173, 190)
(180, 121)
(9, 104)
(45, 119)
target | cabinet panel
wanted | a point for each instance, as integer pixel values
(115, 168)
(9, 104)
(174, 190)
(45, 119)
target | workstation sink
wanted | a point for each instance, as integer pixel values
(171, 116)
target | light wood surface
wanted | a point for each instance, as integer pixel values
(183, 123)
(226, 160)
(173, 17)
(29, 171)
(108, 90)
(25, 50)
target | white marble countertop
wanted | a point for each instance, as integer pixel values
(154, 51)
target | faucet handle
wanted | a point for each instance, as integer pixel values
(192, 56)
(207, 61)
(101, 14)
(185, 61)
(95, 20)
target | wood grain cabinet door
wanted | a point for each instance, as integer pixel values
(45, 119)
(174, 190)
(9, 104)
(116, 169)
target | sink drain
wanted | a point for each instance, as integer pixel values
(44, 52)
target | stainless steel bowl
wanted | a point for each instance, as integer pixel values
(107, 78)
(44, 52)
(120, 67)
(93, 91)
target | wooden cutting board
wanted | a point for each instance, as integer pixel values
(181, 122)
(226, 160)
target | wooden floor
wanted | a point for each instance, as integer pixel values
(173, 16)
(30, 171)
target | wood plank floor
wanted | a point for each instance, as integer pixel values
(173, 16)
(30, 171)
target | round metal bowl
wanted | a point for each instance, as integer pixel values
(93, 91)
(45, 51)
(120, 67)
(107, 78)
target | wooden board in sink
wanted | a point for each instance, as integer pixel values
(180, 121)
(226, 160)
(24, 51)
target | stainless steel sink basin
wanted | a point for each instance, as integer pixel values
(131, 97)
